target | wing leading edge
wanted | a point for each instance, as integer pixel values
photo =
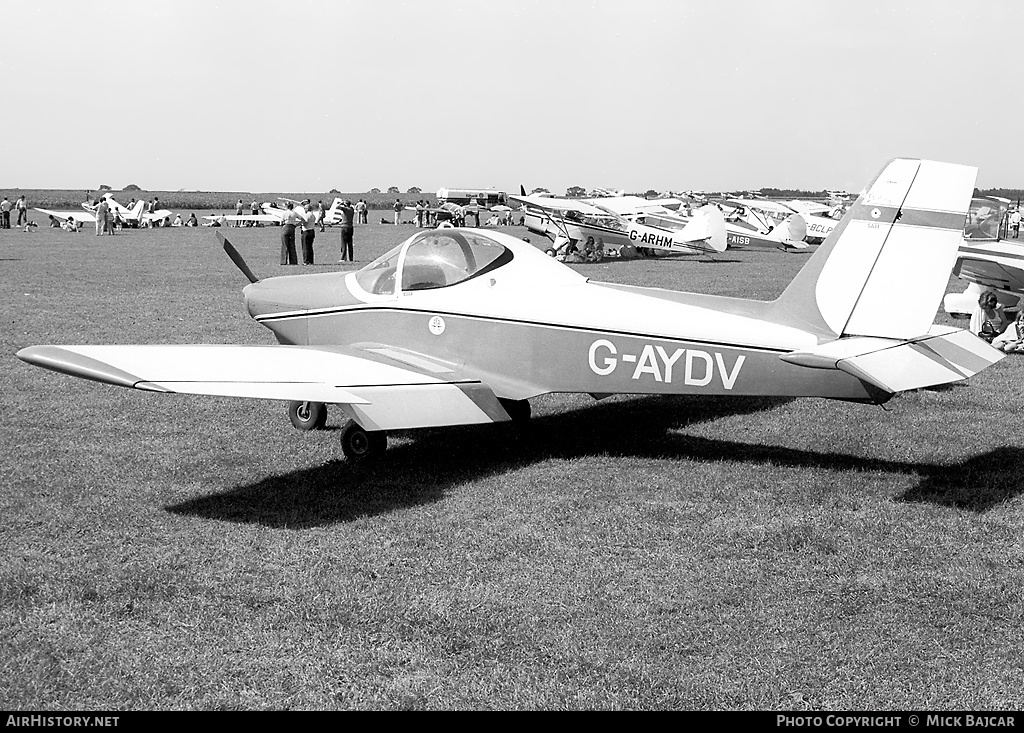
(378, 392)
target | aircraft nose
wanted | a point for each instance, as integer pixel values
(273, 296)
(297, 293)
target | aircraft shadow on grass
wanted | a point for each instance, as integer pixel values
(421, 468)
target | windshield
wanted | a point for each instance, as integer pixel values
(984, 219)
(434, 259)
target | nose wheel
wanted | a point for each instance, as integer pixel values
(307, 415)
(359, 445)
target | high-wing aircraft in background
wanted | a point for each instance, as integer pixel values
(988, 258)
(757, 223)
(464, 326)
(573, 220)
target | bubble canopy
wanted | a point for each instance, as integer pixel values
(433, 259)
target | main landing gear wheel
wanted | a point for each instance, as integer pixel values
(307, 415)
(518, 410)
(358, 444)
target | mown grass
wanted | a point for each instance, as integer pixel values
(173, 552)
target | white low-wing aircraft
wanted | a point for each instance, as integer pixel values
(464, 326)
(274, 214)
(573, 220)
(80, 217)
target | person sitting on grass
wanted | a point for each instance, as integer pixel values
(1011, 340)
(989, 318)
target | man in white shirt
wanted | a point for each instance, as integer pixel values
(308, 234)
(291, 219)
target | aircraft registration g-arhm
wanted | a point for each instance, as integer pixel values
(464, 326)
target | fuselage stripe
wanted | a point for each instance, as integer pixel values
(521, 322)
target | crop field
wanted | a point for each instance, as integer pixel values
(168, 552)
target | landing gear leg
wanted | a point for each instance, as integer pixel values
(358, 444)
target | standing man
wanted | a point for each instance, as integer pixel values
(238, 212)
(102, 209)
(22, 208)
(1015, 223)
(398, 211)
(308, 234)
(361, 211)
(347, 215)
(5, 214)
(288, 223)
(320, 214)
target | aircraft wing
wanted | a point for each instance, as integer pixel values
(549, 204)
(999, 275)
(763, 205)
(382, 388)
(244, 217)
(81, 217)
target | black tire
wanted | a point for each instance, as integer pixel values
(307, 415)
(359, 445)
(518, 410)
(550, 252)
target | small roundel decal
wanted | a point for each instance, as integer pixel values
(875, 213)
(436, 325)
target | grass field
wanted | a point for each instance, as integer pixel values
(176, 552)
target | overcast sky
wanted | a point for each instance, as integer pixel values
(309, 95)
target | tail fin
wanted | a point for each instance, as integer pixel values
(333, 212)
(135, 212)
(882, 270)
(707, 225)
(791, 232)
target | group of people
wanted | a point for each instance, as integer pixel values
(991, 322)
(5, 212)
(307, 218)
(254, 210)
(588, 251)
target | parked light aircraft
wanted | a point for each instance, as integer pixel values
(133, 216)
(987, 259)
(274, 214)
(817, 219)
(573, 220)
(759, 223)
(465, 326)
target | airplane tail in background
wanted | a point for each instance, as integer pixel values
(791, 232)
(707, 225)
(871, 291)
(334, 212)
(135, 213)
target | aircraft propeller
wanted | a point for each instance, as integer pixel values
(237, 258)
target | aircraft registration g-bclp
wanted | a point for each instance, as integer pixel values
(462, 326)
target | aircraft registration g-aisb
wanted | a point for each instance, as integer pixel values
(462, 326)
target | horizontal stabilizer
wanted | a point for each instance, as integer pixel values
(945, 355)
